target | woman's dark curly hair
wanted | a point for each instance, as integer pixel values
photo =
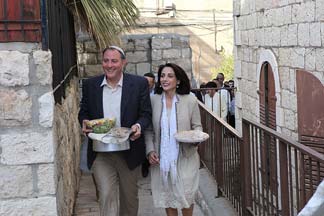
(184, 83)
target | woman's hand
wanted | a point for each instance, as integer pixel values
(153, 158)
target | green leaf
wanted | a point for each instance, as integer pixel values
(105, 19)
(226, 66)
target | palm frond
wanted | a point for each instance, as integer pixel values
(105, 19)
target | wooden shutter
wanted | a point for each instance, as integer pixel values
(310, 106)
(20, 21)
(267, 97)
(267, 104)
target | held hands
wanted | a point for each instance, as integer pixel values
(153, 158)
(85, 130)
(136, 132)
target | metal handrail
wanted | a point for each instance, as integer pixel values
(262, 172)
(303, 148)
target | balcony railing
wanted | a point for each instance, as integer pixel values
(262, 172)
(279, 175)
(221, 155)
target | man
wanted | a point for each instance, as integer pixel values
(223, 91)
(220, 77)
(151, 81)
(231, 117)
(231, 83)
(211, 97)
(217, 101)
(150, 77)
(125, 97)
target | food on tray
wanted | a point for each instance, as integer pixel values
(120, 132)
(191, 136)
(101, 125)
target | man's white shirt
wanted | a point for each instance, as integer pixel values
(219, 103)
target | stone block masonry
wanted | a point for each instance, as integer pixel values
(26, 148)
(27, 174)
(39, 141)
(14, 68)
(293, 31)
(289, 36)
(144, 54)
(15, 107)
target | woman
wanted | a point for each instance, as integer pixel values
(174, 166)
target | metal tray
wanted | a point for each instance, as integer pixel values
(109, 142)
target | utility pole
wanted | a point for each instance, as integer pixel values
(215, 29)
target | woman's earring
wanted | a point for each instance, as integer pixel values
(177, 85)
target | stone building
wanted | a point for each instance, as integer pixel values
(39, 131)
(144, 53)
(26, 137)
(209, 25)
(40, 136)
(279, 47)
(278, 54)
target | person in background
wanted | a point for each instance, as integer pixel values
(125, 97)
(211, 97)
(231, 83)
(231, 119)
(226, 85)
(223, 91)
(217, 100)
(220, 77)
(151, 81)
(150, 77)
(174, 166)
(223, 100)
(201, 93)
(198, 93)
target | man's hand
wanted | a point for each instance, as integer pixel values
(85, 130)
(136, 132)
(153, 158)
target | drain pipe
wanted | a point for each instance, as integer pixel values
(44, 25)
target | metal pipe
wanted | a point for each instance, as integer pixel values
(44, 25)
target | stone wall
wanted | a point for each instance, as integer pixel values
(144, 54)
(27, 169)
(39, 150)
(290, 35)
(67, 150)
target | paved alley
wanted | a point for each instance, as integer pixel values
(208, 203)
(87, 204)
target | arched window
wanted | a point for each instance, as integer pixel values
(267, 97)
(267, 104)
